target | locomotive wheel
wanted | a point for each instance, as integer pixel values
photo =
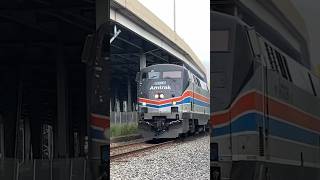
(191, 133)
(201, 129)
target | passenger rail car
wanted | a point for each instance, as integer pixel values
(265, 121)
(172, 101)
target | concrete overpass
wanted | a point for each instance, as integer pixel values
(279, 21)
(144, 40)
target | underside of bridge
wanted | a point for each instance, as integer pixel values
(42, 79)
(129, 52)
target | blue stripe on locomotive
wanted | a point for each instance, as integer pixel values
(97, 134)
(250, 121)
(186, 100)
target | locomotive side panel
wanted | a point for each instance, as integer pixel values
(235, 129)
(266, 122)
(293, 110)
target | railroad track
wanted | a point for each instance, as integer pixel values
(135, 148)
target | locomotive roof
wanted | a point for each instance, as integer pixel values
(261, 28)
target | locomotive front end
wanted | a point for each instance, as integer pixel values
(161, 101)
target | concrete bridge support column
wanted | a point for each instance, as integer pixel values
(1, 138)
(62, 118)
(116, 100)
(129, 108)
(143, 61)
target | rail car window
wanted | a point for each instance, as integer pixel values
(282, 61)
(278, 62)
(271, 57)
(286, 67)
(282, 68)
(171, 74)
(196, 80)
(219, 40)
(153, 75)
(203, 85)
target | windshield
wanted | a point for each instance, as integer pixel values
(171, 74)
(153, 75)
(162, 75)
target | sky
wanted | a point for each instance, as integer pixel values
(188, 13)
(309, 9)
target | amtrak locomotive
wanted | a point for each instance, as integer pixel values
(173, 101)
(265, 107)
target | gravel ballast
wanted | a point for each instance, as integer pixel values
(187, 160)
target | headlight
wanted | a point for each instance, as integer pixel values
(143, 103)
(174, 103)
(161, 96)
(156, 96)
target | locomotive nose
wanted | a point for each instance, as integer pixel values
(168, 89)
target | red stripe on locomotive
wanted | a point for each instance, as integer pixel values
(253, 101)
(100, 121)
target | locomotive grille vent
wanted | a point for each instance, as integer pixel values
(261, 143)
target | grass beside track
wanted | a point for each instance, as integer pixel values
(123, 129)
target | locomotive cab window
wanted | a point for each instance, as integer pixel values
(196, 80)
(171, 74)
(153, 75)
